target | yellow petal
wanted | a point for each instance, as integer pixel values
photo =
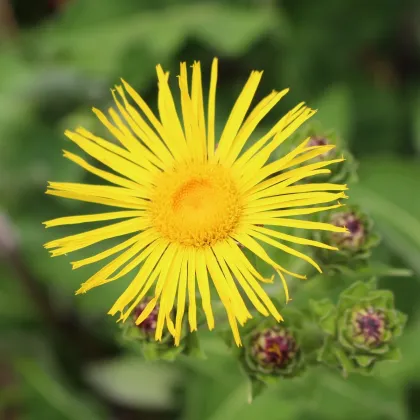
(203, 286)
(89, 218)
(237, 115)
(211, 109)
(284, 248)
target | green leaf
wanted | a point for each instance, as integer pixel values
(69, 405)
(134, 382)
(396, 213)
(322, 307)
(226, 29)
(334, 109)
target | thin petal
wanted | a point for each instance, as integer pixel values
(284, 248)
(282, 201)
(294, 239)
(174, 139)
(304, 224)
(154, 254)
(105, 254)
(256, 116)
(85, 239)
(223, 254)
(240, 270)
(105, 191)
(255, 218)
(117, 163)
(283, 188)
(140, 127)
(278, 127)
(102, 276)
(198, 110)
(203, 286)
(89, 218)
(259, 251)
(180, 305)
(211, 109)
(114, 179)
(229, 296)
(237, 115)
(192, 307)
(98, 200)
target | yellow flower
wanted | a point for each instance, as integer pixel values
(190, 205)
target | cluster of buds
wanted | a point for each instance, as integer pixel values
(361, 329)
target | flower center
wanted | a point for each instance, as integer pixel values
(369, 324)
(196, 204)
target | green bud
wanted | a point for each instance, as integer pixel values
(148, 327)
(271, 351)
(341, 172)
(354, 246)
(361, 330)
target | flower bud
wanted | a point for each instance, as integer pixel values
(354, 246)
(273, 350)
(148, 326)
(361, 330)
(341, 172)
(320, 141)
(355, 237)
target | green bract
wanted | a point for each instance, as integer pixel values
(361, 329)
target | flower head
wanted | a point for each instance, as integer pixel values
(188, 210)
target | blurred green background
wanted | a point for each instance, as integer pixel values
(357, 61)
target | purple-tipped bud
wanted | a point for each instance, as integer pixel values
(368, 326)
(148, 326)
(273, 349)
(356, 235)
(319, 141)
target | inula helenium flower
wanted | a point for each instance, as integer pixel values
(188, 200)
